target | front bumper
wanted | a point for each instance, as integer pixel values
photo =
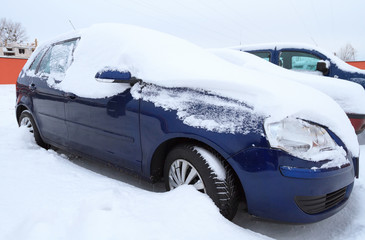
(277, 184)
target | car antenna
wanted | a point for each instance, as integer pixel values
(72, 25)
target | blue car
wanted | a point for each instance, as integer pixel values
(309, 59)
(306, 58)
(117, 93)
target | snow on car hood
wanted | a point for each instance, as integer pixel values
(350, 96)
(167, 61)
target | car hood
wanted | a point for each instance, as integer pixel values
(168, 61)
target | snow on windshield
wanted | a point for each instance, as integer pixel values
(350, 96)
(167, 61)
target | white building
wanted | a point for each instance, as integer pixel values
(18, 50)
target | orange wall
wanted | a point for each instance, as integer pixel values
(359, 64)
(10, 69)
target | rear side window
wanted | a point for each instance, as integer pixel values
(298, 60)
(57, 60)
(264, 55)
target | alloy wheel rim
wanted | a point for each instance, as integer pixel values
(182, 172)
(27, 123)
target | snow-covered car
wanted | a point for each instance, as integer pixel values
(167, 109)
(306, 58)
(349, 95)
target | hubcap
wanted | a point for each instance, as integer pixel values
(182, 172)
(27, 123)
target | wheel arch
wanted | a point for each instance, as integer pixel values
(160, 153)
(19, 110)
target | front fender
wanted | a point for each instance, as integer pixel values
(158, 126)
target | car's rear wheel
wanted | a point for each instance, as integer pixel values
(188, 164)
(26, 120)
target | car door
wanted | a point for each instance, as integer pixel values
(106, 128)
(48, 100)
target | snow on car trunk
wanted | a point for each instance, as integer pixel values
(167, 61)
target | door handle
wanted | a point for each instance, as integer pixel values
(32, 87)
(70, 95)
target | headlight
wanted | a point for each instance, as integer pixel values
(304, 140)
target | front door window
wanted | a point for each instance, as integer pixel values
(299, 61)
(57, 60)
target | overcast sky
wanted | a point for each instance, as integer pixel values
(329, 24)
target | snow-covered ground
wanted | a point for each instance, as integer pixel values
(50, 195)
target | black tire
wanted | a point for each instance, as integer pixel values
(223, 192)
(27, 120)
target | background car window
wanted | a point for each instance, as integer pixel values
(57, 60)
(298, 61)
(263, 55)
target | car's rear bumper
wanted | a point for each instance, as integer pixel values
(357, 121)
(284, 188)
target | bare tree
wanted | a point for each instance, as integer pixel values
(347, 53)
(11, 32)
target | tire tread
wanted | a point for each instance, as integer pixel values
(226, 193)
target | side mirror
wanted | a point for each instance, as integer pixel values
(322, 67)
(113, 76)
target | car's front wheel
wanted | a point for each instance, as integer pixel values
(201, 168)
(26, 120)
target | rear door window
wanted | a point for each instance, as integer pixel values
(57, 60)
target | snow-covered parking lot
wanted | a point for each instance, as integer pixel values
(50, 195)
